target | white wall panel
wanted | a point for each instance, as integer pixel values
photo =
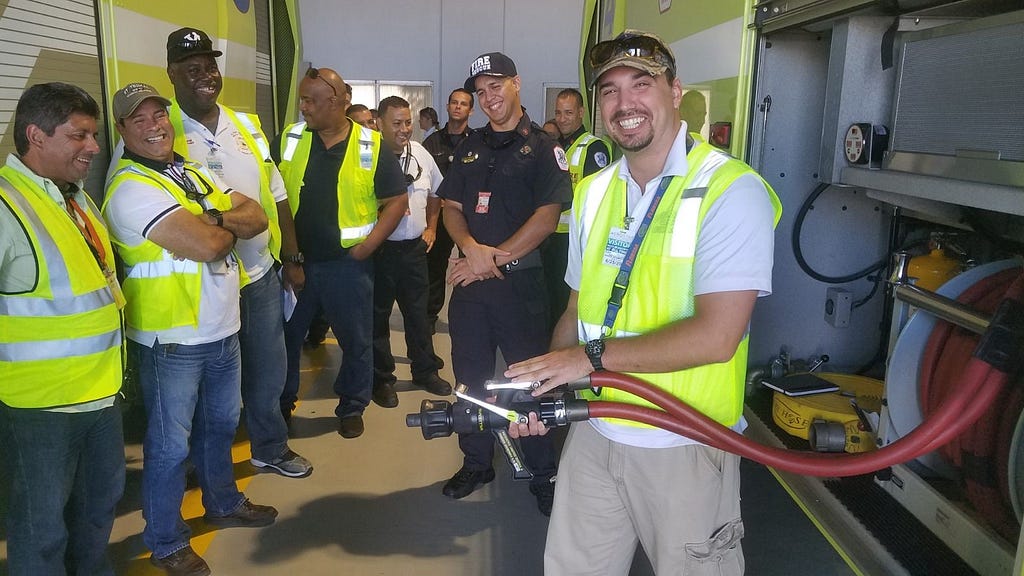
(435, 41)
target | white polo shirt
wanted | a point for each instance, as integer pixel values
(421, 166)
(228, 157)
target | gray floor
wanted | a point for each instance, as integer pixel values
(373, 506)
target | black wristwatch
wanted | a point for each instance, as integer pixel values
(216, 214)
(296, 258)
(594, 350)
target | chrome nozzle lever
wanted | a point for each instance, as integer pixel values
(510, 415)
(510, 385)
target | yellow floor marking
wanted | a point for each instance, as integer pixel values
(192, 506)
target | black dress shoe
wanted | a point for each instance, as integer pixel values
(544, 492)
(184, 562)
(248, 515)
(434, 384)
(351, 426)
(466, 481)
(384, 395)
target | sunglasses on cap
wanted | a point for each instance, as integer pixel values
(639, 46)
(315, 73)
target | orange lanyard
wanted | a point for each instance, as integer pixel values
(88, 231)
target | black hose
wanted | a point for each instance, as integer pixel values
(799, 255)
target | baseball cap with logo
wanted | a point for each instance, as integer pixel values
(127, 99)
(490, 64)
(641, 50)
(185, 42)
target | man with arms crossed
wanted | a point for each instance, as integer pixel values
(704, 257)
(175, 231)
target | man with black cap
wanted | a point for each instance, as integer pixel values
(175, 231)
(700, 224)
(232, 146)
(503, 194)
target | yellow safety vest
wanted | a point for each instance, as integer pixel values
(357, 201)
(60, 343)
(248, 126)
(162, 292)
(661, 284)
(577, 155)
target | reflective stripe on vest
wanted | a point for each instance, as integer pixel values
(254, 140)
(664, 266)
(61, 343)
(162, 292)
(357, 202)
(577, 158)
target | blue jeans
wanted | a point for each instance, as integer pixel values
(67, 474)
(264, 366)
(192, 397)
(344, 289)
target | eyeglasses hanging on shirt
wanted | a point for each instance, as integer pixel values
(409, 178)
(179, 173)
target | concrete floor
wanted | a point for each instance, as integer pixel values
(373, 505)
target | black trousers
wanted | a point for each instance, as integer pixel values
(437, 269)
(510, 315)
(554, 252)
(400, 269)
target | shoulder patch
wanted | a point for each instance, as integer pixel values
(601, 159)
(560, 158)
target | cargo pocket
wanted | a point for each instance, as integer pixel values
(719, 555)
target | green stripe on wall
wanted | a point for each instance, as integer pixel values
(684, 18)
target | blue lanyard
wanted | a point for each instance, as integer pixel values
(622, 278)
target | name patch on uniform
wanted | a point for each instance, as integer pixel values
(560, 158)
(241, 145)
(601, 159)
(470, 157)
(483, 202)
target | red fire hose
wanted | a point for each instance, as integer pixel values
(981, 383)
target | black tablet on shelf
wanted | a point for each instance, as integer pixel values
(800, 384)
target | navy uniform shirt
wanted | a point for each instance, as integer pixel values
(501, 178)
(441, 146)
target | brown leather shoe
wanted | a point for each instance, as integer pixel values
(248, 515)
(184, 562)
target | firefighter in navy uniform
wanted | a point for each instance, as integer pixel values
(503, 193)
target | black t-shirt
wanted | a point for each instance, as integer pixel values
(441, 146)
(501, 178)
(316, 222)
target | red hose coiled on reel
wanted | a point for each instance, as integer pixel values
(981, 453)
(981, 384)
